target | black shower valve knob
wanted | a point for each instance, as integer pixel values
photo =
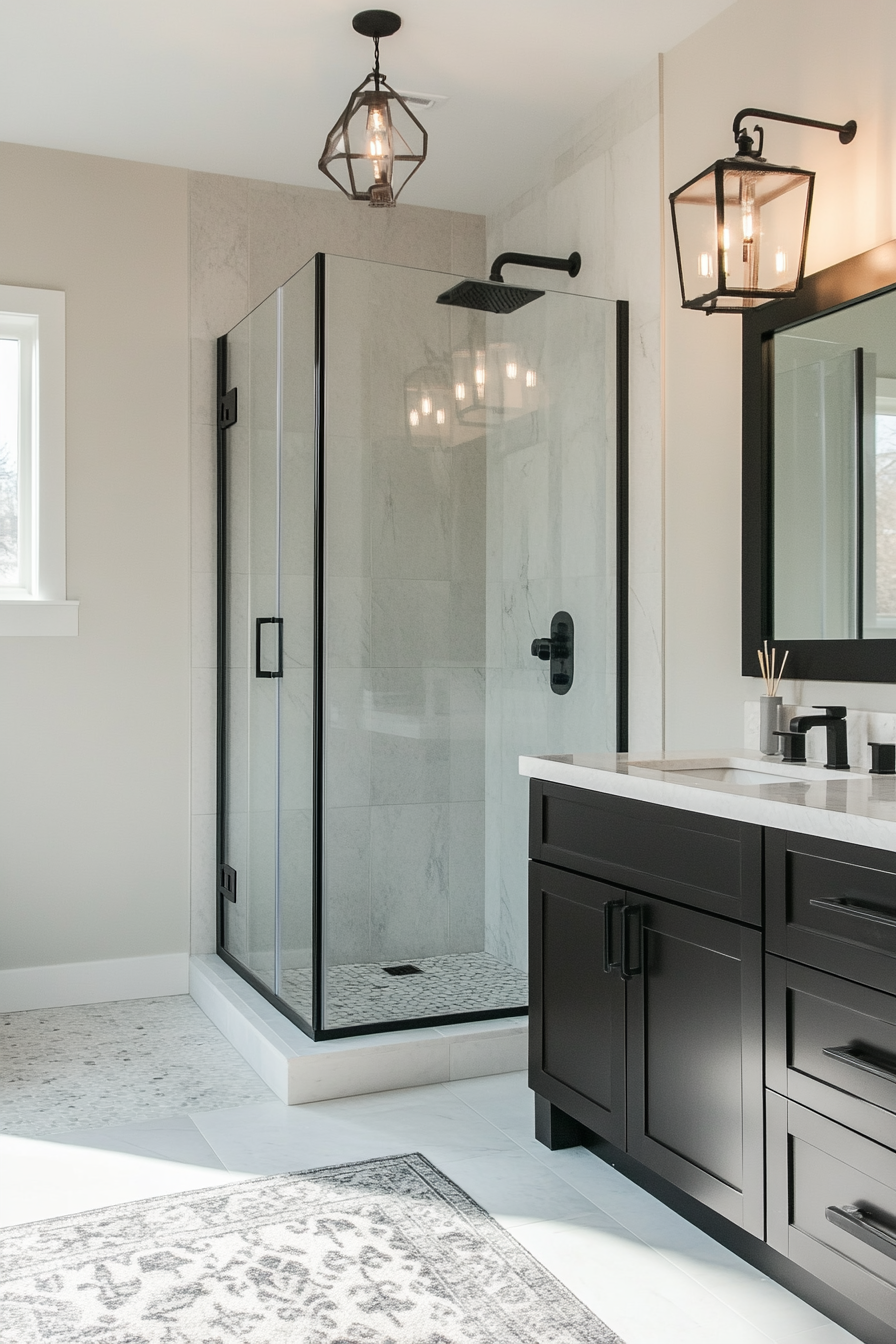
(541, 648)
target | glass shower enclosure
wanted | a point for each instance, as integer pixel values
(410, 491)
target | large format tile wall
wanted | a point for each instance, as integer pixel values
(247, 238)
(599, 196)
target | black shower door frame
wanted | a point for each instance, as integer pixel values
(224, 418)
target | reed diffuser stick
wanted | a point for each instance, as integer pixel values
(781, 673)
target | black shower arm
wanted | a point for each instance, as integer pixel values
(571, 264)
(846, 132)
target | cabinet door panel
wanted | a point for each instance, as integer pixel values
(577, 1008)
(694, 1031)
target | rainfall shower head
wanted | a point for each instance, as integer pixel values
(489, 298)
(493, 296)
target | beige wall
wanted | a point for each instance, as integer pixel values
(812, 58)
(94, 729)
(247, 238)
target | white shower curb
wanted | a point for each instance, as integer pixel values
(297, 1069)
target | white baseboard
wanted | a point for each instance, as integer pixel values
(94, 982)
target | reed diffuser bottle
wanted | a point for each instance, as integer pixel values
(770, 703)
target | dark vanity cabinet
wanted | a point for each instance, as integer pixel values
(646, 1004)
(718, 1002)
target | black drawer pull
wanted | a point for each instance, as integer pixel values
(860, 1061)
(862, 1225)
(609, 963)
(845, 906)
(629, 914)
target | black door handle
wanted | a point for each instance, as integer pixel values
(865, 1226)
(845, 905)
(259, 622)
(609, 963)
(856, 1060)
(630, 915)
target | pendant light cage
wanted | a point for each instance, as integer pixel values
(377, 144)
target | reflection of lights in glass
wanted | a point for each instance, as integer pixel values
(440, 417)
(704, 263)
(511, 369)
(460, 392)
(780, 262)
(479, 375)
(426, 405)
(414, 417)
(531, 378)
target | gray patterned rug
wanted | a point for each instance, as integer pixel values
(382, 1252)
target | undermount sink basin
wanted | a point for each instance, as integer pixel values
(730, 770)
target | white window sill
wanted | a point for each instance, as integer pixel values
(33, 616)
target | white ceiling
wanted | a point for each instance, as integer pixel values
(231, 86)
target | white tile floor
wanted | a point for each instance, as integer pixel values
(649, 1274)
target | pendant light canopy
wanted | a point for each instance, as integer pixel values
(377, 144)
(742, 225)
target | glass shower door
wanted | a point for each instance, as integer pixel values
(268, 619)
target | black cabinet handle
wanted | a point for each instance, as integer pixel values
(609, 963)
(859, 1061)
(259, 622)
(630, 915)
(844, 905)
(862, 1225)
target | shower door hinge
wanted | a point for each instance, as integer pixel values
(227, 881)
(227, 409)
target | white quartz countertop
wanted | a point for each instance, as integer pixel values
(851, 806)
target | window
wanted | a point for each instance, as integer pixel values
(32, 464)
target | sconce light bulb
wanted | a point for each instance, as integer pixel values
(531, 378)
(748, 226)
(479, 375)
(511, 370)
(726, 239)
(426, 405)
(414, 418)
(460, 392)
(440, 417)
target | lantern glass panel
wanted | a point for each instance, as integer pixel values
(763, 234)
(698, 248)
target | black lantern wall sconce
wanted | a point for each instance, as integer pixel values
(377, 144)
(741, 226)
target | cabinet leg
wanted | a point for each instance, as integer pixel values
(555, 1129)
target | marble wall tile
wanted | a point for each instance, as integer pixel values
(348, 737)
(348, 622)
(466, 862)
(347, 917)
(258, 892)
(203, 381)
(296, 739)
(466, 622)
(219, 253)
(409, 881)
(296, 890)
(410, 512)
(348, 512)
(203, 886)
(203, 497)
(468, 252)
(467, 756)
(203, 600)
(203, 739)
(297, 610)
(409, 623)
(409, 740)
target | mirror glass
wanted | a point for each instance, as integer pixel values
(834, 474)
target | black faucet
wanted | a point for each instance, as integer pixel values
(833, 720)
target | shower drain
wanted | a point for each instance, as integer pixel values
(407, 969)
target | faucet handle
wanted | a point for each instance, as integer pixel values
(833, 711)
(793, 745)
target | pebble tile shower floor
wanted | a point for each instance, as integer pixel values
(113, 1063)
(466, 982)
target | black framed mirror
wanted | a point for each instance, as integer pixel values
(819, 474)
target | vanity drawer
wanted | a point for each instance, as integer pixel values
(833, 906)
(822, 1178)
(831, 1045)
(706, 862)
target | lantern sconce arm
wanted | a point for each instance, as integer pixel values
(846, 132)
